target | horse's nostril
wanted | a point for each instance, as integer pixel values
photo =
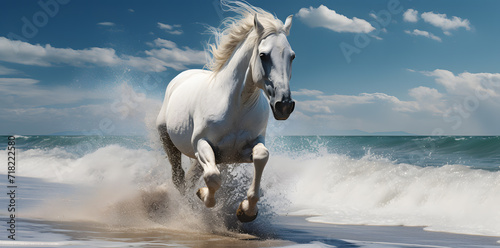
(285, 107)
(279, 106)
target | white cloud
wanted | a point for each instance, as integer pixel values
(146, 64)
(165, 26)
(169, 56)
(428, 99)
(347, 100)
(27, 93)
(314, 106)
(327, 18)
(468, 84)
(410, 15)
(441, 21)
(422, 92)
(8, 71)
(177, 58)
(327, 114)
(335, 101)
(55, 109)
(164, 43)
(327, 104)
(17, 81)
(20, 52)
(106, 24)
(468, 105)
(176, 32)
(417, 32)
(307, 92)
(131, 10)
(171, 29)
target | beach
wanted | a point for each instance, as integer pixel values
(317, 192)
(282, 231)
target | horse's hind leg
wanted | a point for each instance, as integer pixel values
(174, 157)
(193, 174)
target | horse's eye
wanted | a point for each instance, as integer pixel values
(264, 56)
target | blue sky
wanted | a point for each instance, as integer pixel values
(422, 67)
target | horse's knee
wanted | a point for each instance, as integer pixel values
(260, 154)
(213, 182)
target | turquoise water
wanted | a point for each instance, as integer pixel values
(477, 152)
(449, 184)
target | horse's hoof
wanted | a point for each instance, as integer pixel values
(202, 193)
(240, 213)
(198, 193)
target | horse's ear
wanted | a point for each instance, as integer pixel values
(258, 27)
(288, 24)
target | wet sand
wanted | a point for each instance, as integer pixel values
(286, 231)
(269, 231)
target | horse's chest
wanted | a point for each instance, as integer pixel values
(234, 134)
(232, 138)
(235, 140)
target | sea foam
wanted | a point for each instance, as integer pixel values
(131, 187)
(334, 188)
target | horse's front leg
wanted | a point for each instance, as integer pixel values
(211, 174)
(247, 211)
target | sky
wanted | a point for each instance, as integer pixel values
(362, 66)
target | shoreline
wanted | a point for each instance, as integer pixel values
(284, 231)
(399, 236)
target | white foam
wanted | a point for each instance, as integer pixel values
(120, 188)
(375, 191)
(373, 244)
(314, 244)
(20, 136)
(112, 163)
(330, 188)
(33, 243)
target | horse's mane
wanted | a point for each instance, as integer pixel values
(234, 30)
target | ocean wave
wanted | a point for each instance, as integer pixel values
(131, 189)
(21, 136)
(376, 191)
(326, 186)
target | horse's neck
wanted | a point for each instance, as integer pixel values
(234, 76)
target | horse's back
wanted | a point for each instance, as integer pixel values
(177, 109)
(180, 80)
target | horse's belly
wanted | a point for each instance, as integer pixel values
(235, 147)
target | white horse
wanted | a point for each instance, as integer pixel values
(219, 116)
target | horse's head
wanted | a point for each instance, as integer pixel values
(271, 68)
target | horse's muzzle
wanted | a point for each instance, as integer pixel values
(283, 109)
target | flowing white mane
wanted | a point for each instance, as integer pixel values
(236, 29)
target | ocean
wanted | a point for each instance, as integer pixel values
(115, 191)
